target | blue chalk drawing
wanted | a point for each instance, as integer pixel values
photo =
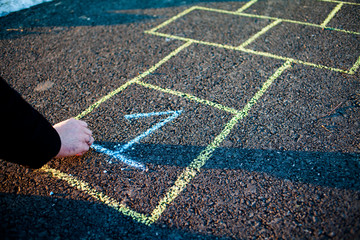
(118, 153)
(157, 126)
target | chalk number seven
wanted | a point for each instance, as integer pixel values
(118, 153)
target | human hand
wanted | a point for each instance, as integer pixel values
(76, 137)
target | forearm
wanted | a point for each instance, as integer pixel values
(26, 137)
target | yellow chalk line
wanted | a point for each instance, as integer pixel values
(270, 55)
(105, 98)
(193, 40)
(201, 159)
(142, 75)
(355, 67)
(85, 187)
(190, 172)
(251, 15)
(272, 18)
(332, 14)
(187, 175)
(334, 1)
(265, 54)
(241, 47)
(246, 6)
(261, 32)
(188, 96)
(173, 19)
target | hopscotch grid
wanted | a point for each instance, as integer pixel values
(259, 53)
(247, 15)
(184, 178)
(253, 38)
(191, 171)
(85, 187)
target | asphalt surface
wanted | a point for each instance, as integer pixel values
(212, 120)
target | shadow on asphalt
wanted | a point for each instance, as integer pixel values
(331, 169)
(41, 217)
(38, 217)
(69, 13)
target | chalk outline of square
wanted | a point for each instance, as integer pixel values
(327, 21)
(188, 173)
(190, 98)
(154, 31)
(252, 2)
(148, 86)
(191, 171)
(85, 187)
(354, 59)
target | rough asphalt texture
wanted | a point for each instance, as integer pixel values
(289, 170)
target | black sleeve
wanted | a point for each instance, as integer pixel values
(26, 137)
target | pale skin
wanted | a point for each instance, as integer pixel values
(76, 137)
